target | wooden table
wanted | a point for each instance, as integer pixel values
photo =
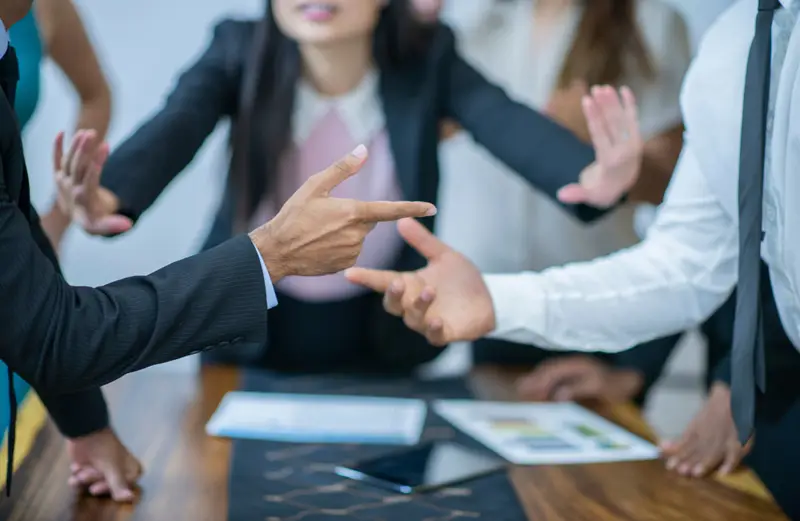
(162, 417)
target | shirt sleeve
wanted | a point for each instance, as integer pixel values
(272, 298)
(673, 280)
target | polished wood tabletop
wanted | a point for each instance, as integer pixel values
(161, 417)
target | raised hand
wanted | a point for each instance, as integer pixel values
(446, 301)
(315, 234)
(80, 195)
(613, 126)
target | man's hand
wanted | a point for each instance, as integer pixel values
(101, 465)
(446, 301)
(315, 234)
(80, 195)
(579, 377)
(614, 130)
(710, 442)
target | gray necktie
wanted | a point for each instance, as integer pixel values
(747, 364)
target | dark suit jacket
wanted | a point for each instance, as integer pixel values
(63, 339)
(415, 99)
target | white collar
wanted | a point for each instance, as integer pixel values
(360, 110)
(3, 39)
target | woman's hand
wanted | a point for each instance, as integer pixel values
(80, 195)
(613, 125)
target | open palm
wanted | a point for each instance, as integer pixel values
(80, 196)
(613, 125)
(446, 301)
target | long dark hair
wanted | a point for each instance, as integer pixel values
(608, 47)
(262, 130)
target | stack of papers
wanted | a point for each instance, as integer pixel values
(544, 433)
(318, 418)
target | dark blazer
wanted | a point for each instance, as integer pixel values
(415, 99)
(63, 339)
(76, 414)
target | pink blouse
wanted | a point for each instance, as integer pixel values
(325, 129)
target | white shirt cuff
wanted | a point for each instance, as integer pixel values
(519, 309)
(272, 298)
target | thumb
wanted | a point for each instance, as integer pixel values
(573, 194)
(376, 280)
(343, 169)
(109, 225)
(421, 239)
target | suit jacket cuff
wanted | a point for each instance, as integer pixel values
(722, 372)
(78, 414)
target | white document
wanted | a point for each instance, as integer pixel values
(318, 418)
(544, 433)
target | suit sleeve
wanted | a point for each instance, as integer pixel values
(78, 414)
(64, 339)
(208, 91)
(546, 154)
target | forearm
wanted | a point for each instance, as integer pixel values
(55, 224)
(670, 282)
(65, 339)
(95, 111)
(77, 414)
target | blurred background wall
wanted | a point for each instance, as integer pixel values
(143, 45)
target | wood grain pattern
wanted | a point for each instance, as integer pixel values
(162, 418)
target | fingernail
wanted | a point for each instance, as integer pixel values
(671, 463)
(396, 287)
(431, 211)
(360, 152)
(426, 295)
(698, 471)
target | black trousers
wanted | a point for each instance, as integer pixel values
(313, 337)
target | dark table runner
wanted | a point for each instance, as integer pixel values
(273, 481)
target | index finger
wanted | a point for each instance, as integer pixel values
(382, 211)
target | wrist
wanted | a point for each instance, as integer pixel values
(624, 384)
(269, 250)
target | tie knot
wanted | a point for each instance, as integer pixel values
(768, 5)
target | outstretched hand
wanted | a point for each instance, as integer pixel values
(613, 125)
(316, 234)
(446, 301)
(80, 196)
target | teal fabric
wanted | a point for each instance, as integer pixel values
(25, 39)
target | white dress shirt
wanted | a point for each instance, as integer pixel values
(687, 266)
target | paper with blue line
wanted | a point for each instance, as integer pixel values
(303, 418)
